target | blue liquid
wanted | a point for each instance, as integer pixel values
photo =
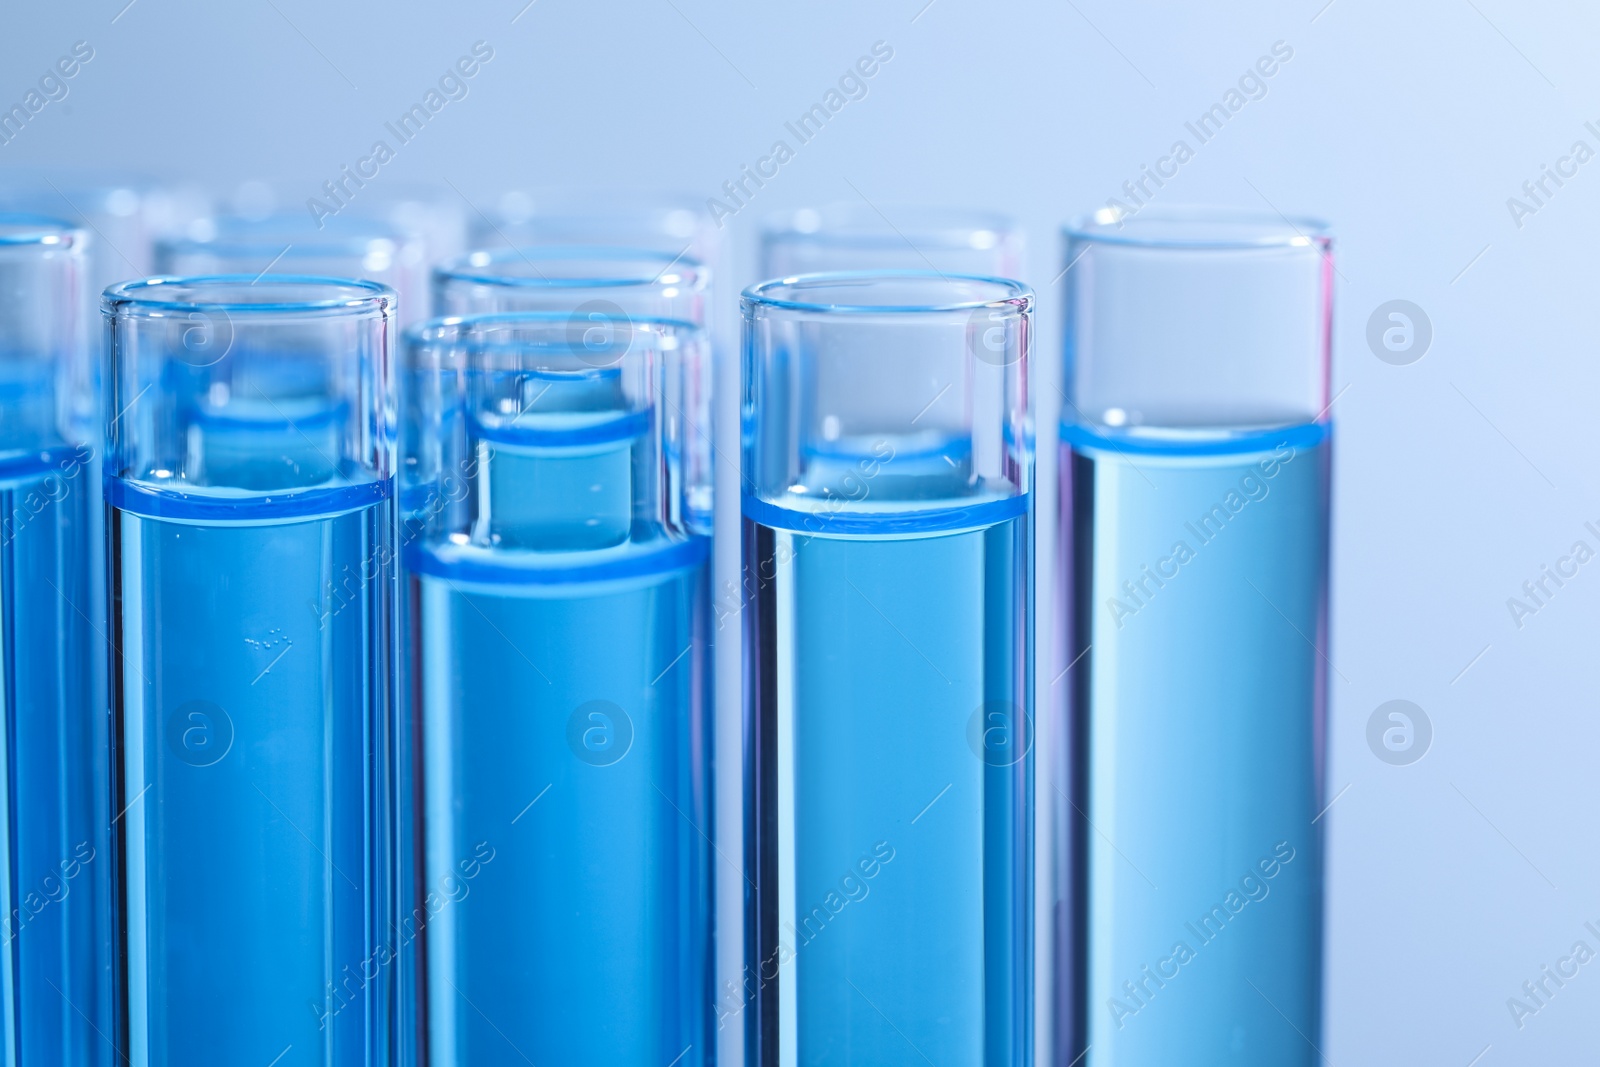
(253, 703)
(1195, 750)
(572, 931)
(891, 731)
(564, 901)
(55, 934)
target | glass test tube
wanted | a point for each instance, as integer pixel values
(1194, 560)
(631, 219)
(899, 237)
(555, 556)
(55, 993)
(249, 492)
(435, 214)
(124, 214)
(889, 655)
(601, 286)
(345, 246)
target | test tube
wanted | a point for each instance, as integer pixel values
(888, 531)
(659, 222)
(123, 214)
(434, 214)
(341, 247)
(1193, 597)
(248, 490)
(600, 284)
(555, 564)
(55, 996)
(863, 237)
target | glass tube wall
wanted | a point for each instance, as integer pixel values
(344, 246)
(251, 548)
(55, 933)
(888, 533)
(863, 237)
(556, 568)
(1193, 597)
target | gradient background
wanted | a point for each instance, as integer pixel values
(1452, 880)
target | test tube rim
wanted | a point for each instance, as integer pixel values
(1286, 231)
(694, 276)
(430, 331)
(947, 222)
(40, 231)
(125, 298)
(556, 204)
(239, 247)
(1018, 296)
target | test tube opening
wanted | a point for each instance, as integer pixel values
(860, 236)
(1221, 320)
(917, 376)
(599, 282)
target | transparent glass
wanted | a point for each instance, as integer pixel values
(601, 287)
(1192, 597)
(54, 894)
(435, 214)
(658, 222)
(251, 543)
(863, 237)
(556, 569)
(123, 214)
(343, 246)
(888, 533)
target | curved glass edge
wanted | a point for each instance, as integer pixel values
(1224, 443)
(20, 466)
(124, 296)
(482, 567)
(1018, 296)
(320, 502)
(1106, 227)
(694, 275)
(436, 330)
(815, 218)
(42, 231)
(622, 428)
(238, 246)
(930, 520)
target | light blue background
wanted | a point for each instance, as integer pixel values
(1409, 125)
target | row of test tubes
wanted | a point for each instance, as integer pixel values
(357, 665)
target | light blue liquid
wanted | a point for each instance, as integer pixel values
(253, 703)
(564, 904)
(891, 732)
(55, 932)
(1195, 747)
